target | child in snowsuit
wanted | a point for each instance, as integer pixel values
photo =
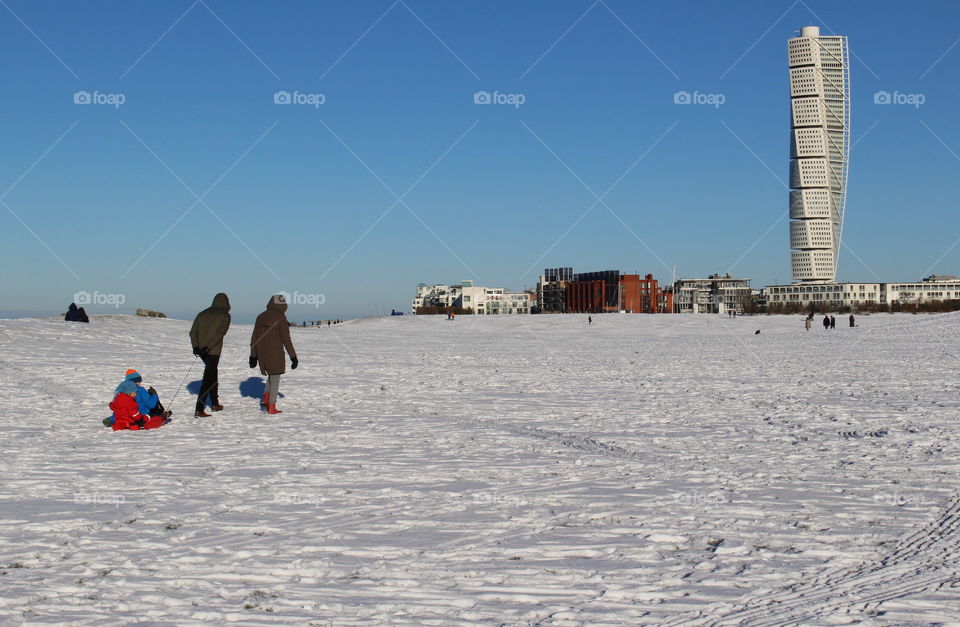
(127, 414)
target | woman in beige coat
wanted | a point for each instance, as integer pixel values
(271, 335)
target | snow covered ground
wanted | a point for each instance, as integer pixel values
(495, 470)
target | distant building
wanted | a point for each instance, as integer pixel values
(819, 151)
(496, 301)
(829, 295)
(854, 295)
(436, 296)
(717, 294)
(932, 288)
(560, 290)
(552, 290)
(482, 300)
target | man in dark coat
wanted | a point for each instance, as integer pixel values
(826, 321)
(271, 335)
(73, 314)
(206, 336)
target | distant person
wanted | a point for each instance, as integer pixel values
(807, 324)
(589, 320)
(853, 321)
(73, 314)
(271, 335)
(833, 322)
(206, 336)
(127, 414)
(83, 317)
(826, 321)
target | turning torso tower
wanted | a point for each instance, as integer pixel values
(819, 151)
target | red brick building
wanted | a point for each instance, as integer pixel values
(610, 291)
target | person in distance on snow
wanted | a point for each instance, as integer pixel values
(75, 315)
(271, 335)
(126, 413)
(206, 336)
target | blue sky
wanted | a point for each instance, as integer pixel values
(304, 198)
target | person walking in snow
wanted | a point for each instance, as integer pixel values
(127, 414)
(826, 322)
(271, 335)
(807, 324)
(833, 322)
(853, 321)
(206, 336)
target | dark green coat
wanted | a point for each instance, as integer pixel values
(211, 325)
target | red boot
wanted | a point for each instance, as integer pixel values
(266, 399)
(272, 409)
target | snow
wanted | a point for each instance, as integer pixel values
(506, 470)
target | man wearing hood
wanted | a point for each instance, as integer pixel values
(271, 335)
(73, 314)
(206, 336)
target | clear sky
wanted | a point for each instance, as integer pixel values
(386, 173)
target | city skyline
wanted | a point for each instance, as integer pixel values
(343, 153)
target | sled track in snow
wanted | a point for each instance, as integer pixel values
(928, 559)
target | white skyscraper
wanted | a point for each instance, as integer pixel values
(819, 151)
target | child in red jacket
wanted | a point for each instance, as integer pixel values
(127, 414)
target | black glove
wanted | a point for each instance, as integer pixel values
(204, 352)
(253, 361)
(294, 362)
(196, 351)
(151, 391)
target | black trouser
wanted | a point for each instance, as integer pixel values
(209, 384)
(158, 410)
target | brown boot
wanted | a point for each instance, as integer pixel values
(217, 408)
(201, 414)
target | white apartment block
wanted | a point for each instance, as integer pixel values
(832, 295)
(482, 300)
(715, 294)
(495, 301)
(819, 152)
(436, 296)
(838, 295)
(931, 288)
